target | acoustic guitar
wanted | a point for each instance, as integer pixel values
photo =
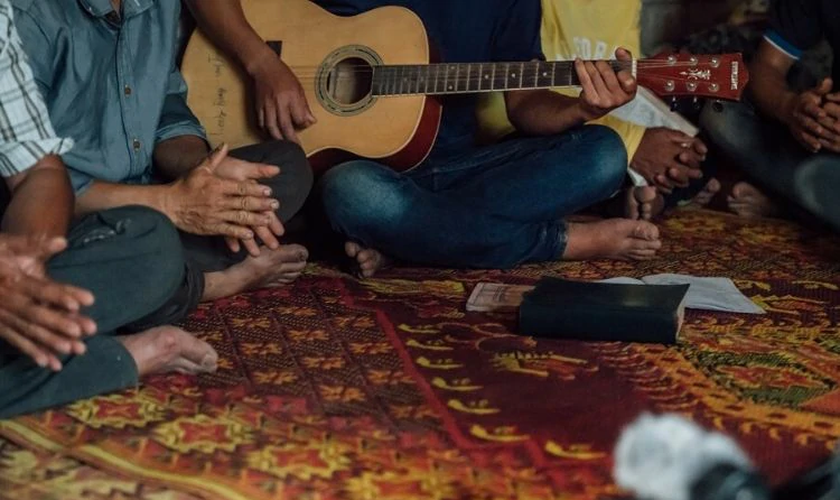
(372, 83)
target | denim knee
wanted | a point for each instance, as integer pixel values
(362, 197)
(607, 158)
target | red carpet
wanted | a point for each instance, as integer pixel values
(387, 389)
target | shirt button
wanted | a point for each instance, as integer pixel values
(136, 144)
(127, 90)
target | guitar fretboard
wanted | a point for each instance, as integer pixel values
(468, 78)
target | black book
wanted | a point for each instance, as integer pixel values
(577, 310)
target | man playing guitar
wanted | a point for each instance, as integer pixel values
(466, 206)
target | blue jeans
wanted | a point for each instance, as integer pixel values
(767, 152)
(492, 207)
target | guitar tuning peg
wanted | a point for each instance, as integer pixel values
(717, 105)
(673, 103)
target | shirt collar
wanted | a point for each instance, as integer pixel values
(101, 8)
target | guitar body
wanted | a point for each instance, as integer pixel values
(351, 123)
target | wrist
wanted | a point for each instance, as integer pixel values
(255, 58)
(163, 198)
(787, 108)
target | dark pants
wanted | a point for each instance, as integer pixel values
(132, 261)
(768, 153)
(291, 188)
(492, 207)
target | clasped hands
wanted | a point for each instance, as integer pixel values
(222, 197)
(813, 118)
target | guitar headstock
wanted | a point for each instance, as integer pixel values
(721, 76)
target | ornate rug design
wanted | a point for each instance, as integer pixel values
(386, 389)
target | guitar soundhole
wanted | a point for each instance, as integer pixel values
(349, 81)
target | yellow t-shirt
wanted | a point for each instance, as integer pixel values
(589, 29)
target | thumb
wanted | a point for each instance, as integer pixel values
(217, 156)
(824, 87)
(623, 54)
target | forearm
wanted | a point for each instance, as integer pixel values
(42, 201)
(768, 85)
(543, 112)
(175, 157)
(773, 97)
(105, 195)
(225, 23)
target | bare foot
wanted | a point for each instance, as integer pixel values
(270, 268)
(748, 201)
(618, 239)
(642, 202)
(369, 260)
(169, 349)
(705, 196)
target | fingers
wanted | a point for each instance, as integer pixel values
(271, 122)
(245, 218)
(267, 237)
(585, 80)
(232, 244)
(243, 188)
(251, 247)
(832, 122)
(241, 170)
(216, 157)
(824, 87)
(68, 298)
(251, 203)
(286, 125)
(813, 127)
(664, 184)
(232, 231)
(276, 226)
(41, 356)
(808, 141)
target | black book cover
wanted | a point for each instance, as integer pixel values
(577, 310)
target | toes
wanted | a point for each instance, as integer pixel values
(646, 231)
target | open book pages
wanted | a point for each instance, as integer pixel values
(709, 294)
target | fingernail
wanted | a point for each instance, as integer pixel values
(275, 204)
(267, 192)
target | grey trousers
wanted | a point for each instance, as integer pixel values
(768, 153)
(132, 260)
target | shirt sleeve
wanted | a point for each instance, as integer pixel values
(176, 119)
(517, 36)
(795, 26)
(26, 133)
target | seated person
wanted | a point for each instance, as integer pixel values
(64, 295)
(665, 159)
(465, 206)
(787, 141)
(107, 71)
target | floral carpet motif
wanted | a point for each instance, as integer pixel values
(387, 389)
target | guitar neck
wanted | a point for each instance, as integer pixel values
(470, 78)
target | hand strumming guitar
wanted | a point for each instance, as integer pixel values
(37, 315)
(604, 89)
(280, 102)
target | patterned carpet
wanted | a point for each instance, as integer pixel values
(387, 389)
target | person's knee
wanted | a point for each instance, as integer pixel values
(605, 158)
(151, 241)
(723, 122)
(296, 178)
(359, 196)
